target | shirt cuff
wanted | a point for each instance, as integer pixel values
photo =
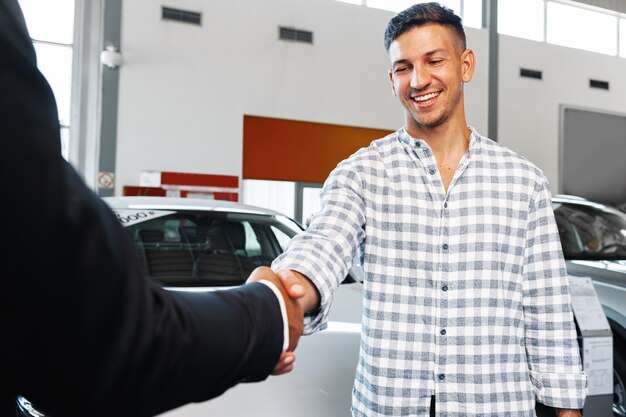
(560, 390)
(283, 311)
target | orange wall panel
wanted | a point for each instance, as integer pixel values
(290, 150)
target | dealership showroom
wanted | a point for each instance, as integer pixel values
(433, 195)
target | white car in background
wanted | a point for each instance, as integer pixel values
(200, 245)
(593, 237)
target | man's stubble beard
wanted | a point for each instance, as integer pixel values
(441, 119)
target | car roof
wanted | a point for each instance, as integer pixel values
(568, 197)
(572, 199)
(178, 203)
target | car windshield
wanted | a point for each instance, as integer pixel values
(189, 248)
(591, 233)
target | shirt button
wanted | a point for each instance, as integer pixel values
(445, 205)
(442, 377)
(445, 246)
(444, 288)
(417, 144)
(432, 171)
(443, 332)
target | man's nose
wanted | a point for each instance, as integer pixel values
(420, 78)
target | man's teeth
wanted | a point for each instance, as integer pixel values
(425, 97)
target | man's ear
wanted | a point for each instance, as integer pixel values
(468, 65)
(393, 87)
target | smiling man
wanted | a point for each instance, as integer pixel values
(466, 302)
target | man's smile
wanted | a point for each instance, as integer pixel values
(425, 100)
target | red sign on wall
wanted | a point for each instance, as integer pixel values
(182, 184)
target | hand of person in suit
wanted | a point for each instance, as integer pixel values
(301, 291)
(295, 317)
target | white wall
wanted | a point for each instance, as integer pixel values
(184, 89)
(529, 118)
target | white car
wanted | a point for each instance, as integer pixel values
(201, 245)
(593, 237)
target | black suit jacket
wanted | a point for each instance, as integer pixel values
(84, 332)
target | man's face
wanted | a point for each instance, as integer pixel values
(428, 70)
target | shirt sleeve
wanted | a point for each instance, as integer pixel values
(550, 334)
(283, 311)
(325, 251)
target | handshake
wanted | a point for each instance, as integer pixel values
(300, 296)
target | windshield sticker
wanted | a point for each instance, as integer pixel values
(128, 217)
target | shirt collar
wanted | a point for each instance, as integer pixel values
(474, 140)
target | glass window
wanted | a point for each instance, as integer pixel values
(470, 10)
(51, 26)
(523, 19)
(454, 5)
(55, 63)
(399, 5)
(281, 236)
(201, 248)
(622, 38)
(473, 13)
(391, 5)
(252, 245)
(590, 233)
(311, 203)
(274, 195)
(581, 28)
(51, 21)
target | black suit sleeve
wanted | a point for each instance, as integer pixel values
(84, 331)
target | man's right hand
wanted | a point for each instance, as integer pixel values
(301, 288)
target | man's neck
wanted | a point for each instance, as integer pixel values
(443, 140)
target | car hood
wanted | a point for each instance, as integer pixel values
(609, 272)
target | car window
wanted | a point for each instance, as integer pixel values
(198, 248)
(253, 246)
(590, 233)
(282, 237)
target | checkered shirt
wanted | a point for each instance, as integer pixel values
(465, 292)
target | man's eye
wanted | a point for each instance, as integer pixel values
(436, 61)
(400, 69)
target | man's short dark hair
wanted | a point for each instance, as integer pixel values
(421, 14)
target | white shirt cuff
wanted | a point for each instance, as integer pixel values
(283, 311)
